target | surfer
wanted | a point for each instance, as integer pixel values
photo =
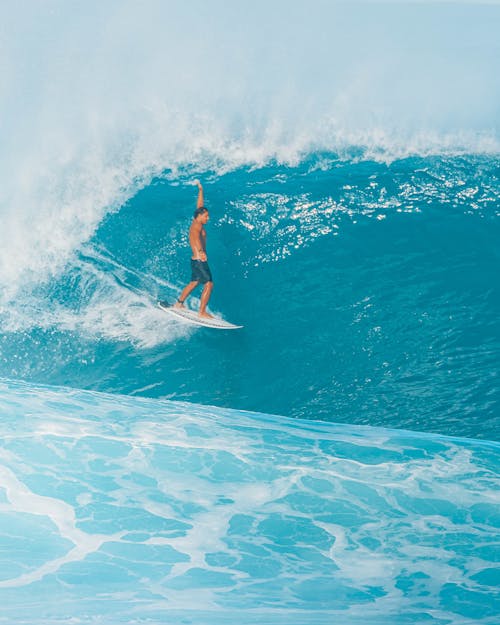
(200, 271)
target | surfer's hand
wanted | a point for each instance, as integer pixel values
(198, 184)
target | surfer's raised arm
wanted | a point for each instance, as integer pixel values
(199, 203)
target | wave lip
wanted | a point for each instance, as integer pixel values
(142, 509)
(95, 107)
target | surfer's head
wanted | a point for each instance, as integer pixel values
(201, 214)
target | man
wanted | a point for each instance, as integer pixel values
(200, 271)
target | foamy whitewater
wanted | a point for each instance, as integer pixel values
(349, 154)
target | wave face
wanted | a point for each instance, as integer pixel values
(153, 510)
(368, 292)
(364, 202)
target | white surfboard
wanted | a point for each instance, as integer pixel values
(191, 316)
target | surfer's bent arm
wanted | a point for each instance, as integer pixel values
(199, 203)
(196, 242)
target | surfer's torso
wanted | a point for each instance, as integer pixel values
(198, 241)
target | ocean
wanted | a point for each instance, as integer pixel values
(336, 460)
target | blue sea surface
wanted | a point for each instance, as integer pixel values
(369, 296)
(369, 293)
(148, 511)
(337, 459)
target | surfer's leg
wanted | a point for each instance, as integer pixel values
(205, 296)
(186, 293)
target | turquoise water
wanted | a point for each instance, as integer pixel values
(337, 459)
(368, 291)
(139, 510)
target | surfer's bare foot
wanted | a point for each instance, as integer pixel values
(205, 315)
(179, 305)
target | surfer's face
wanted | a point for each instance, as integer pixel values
(204, 217)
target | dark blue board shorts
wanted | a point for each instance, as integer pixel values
(200, 271)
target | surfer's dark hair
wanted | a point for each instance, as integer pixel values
(200, 211)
